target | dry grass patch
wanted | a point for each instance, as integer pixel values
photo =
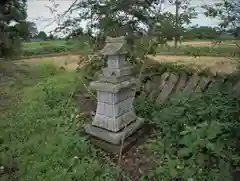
(68, 62)
(215, 64)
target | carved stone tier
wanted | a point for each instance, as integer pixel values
(112, 137)
(115, 105)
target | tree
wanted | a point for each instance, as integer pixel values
(42, 35)
(202, 32)
(227, 10)
(182, 18)
(169, 25)
(51, 37)
(113, 18)
(27, 30)
(12, 12)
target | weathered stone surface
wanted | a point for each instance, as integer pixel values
(109, 72)
(158, 84)
(114, 137)
(114, 98)
(147, 88)
(236, 88)
(116, 61)
(228, 85)
(114, 80)
(114, 88)
(182, 82)
(114, 46)
(215, 84)
(114, 124)
(114, 110)
(116, 149)
(203, 83)
(164, 78)
(167, 88)
(192, 83)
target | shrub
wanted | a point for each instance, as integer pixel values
(196, 138)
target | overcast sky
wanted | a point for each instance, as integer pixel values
(42, 16)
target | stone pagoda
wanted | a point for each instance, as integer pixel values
(115, 119)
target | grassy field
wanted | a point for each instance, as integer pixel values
(192, 48)
(184, 43)
(30, 45)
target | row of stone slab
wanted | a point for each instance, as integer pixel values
(162, 86)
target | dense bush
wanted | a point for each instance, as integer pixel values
(196, 138)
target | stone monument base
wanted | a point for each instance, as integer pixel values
(111, 141)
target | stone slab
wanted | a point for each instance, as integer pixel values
(114, 124)
(116, 149)
(109, 72)
(115, 110)
(182, 82)
(114, 137)
(192, 83)
(236, 88)
(158, 83)
(167, 88)
(203, 83)
(114, 98)
(114, 79)
(114, 88)
(116, 61)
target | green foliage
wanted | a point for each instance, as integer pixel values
(44, 135)
(196, 137)
(202, 33)
(41, 35)
(227, 11)
(10, 35)
(27, 30)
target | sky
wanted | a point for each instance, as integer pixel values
(39, 13)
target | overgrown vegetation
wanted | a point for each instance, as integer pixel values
(42, 138)
(41, 133)
(195, 138)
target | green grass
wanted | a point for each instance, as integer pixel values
(41, 138)
(44, 44)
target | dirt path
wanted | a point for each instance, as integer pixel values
(215, 64)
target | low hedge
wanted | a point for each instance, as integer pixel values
(46, 50)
